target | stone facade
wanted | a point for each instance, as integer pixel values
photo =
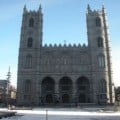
(64, 74)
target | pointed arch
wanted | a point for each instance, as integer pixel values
(31, 22)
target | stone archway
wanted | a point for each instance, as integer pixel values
(48, 90)
(65, 89)
(83, 87)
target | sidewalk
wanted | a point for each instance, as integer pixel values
(6, 113)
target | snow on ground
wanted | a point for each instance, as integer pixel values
(63, 114)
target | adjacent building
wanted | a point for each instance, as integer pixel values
(4, 91)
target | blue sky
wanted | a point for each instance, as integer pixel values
(63, 20)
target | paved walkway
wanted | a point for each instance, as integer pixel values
(6, 113)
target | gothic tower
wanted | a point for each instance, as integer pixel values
(98, 43)
(30, 44)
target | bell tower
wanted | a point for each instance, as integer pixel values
(31, 30)
(98, 43)
(29, 53)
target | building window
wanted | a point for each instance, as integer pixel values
(28, 61)
(100, 42)
(101, 61)
(31, 22)
(30, 42)
(98, 22)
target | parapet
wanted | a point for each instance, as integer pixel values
(94, 12)
(65, 46)
(26, 11)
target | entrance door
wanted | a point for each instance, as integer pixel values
(82, 98)
(49, 98)
(65, 98)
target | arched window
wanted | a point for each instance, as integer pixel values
(28, 61)
(98, 22)
(100, 42)
(101, 61)
(30, 42)
(31, 22)
(27, 86)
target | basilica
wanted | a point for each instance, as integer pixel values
(64, 75)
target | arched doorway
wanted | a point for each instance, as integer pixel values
(65, 89)
(49, 98)
(47, 89)
(83, 87)
(65, 84)
(65, 98)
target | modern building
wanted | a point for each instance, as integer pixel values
(64, 74)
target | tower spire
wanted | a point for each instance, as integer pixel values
(103, 9)
(88, 8)
(40, 8)
(25, 9)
